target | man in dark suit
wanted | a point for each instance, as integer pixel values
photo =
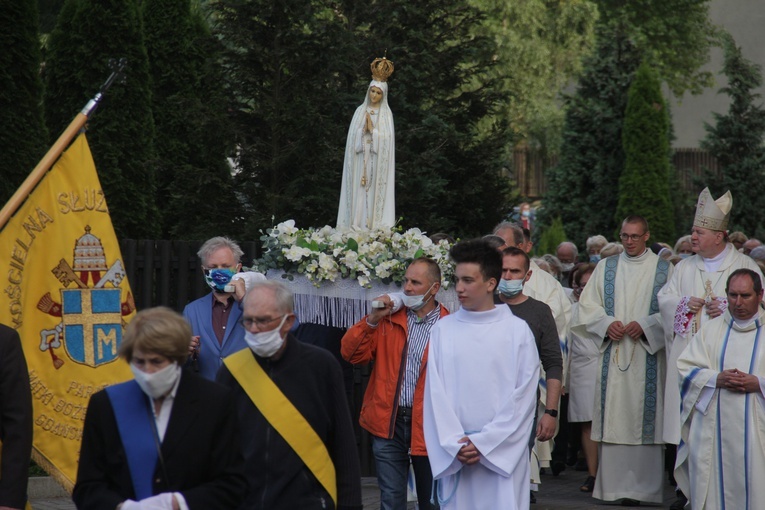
(15, 421)
(168, 439)
(214, 318)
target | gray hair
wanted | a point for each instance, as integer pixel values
(283, 298)
(553, 262)
(684, 239)
(758, 253)
(598, 241)
(611, 249)
(216, 243)
(517, 231)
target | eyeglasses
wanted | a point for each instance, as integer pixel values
(248, 322)
(631, 237)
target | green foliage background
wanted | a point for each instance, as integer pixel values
(272, 87)
(736, 140)
(22, 137)
(88, 34)
(644, 183)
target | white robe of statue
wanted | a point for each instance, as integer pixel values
(721, 460)
(367, 194)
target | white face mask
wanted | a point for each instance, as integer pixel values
(266, 343)
(417, 302)
(159, 383)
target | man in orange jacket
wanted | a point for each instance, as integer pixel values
(396, 340)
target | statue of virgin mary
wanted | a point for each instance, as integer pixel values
(367, 193)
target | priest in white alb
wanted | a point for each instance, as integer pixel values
(696, 294)
(721, 458)
(480, 390)
(619, 312)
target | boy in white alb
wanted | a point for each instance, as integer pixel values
(480, 391)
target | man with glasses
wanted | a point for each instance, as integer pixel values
(298, 439)
(619, 312)
(695, 295)
(214, 317)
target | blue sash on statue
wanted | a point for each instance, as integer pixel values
(136, 428)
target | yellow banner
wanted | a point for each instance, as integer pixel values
(65, 291)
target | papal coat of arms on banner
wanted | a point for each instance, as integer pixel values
(89, 306)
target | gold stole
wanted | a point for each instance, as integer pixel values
(284, 417)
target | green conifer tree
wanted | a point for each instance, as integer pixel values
(551, 237)
(23, 136)
(736, 140)
(583, 188)
(87, 35)
(644, 183)
(195, 189)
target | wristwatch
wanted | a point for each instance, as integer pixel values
(552, 412)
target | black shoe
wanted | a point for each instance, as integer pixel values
(588, 485)
(558, 466)
(630, 502)
(533, 498)
(679, 503)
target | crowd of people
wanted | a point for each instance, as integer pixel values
(631, 356)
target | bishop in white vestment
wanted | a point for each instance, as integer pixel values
(696, 293)
(481, 383)
(618, 311)
(721, 458)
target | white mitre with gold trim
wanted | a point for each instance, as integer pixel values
(713, 214)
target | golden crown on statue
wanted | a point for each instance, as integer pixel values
(382, 68)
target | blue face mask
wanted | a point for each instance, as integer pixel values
(595, 258)
(685, 255)
(510, 288)
(217, 279)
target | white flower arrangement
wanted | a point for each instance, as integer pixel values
(326, 254)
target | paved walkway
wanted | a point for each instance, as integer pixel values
(556, 493)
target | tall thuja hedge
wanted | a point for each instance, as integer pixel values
(644, 184)
(583, 188)
(736, 140)
(194, 184)
(294, 100)
(22, 131)
(87, 35)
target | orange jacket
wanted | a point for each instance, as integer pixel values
(386, 345)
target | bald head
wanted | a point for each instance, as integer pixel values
(567, 252)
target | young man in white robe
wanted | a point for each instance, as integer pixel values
(480, 391)
(619, 312)
(695, 295)
(721, 458)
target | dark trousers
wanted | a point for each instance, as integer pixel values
(392, 463)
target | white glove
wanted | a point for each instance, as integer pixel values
(162, 501)
(249, 278)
